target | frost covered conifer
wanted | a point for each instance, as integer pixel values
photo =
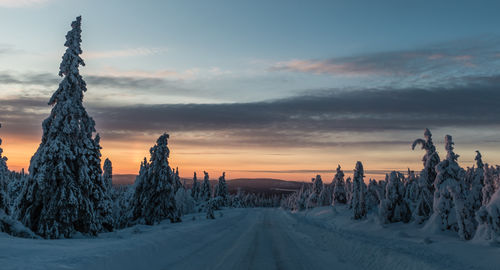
(210, 209)
(184, 202)
(427, 177)
(488, 218)
(339, 189)
(358, 193)
(195, 190)
(372, 194)
(107, 174)
(4, 171)
(348, 191)
(221, 190)
(154, 197)
(64, 193)
(449, 177)
(206, 189)
(313, 199)
(477, 183)
(394, 207)
(490, 176)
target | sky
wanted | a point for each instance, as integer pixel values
(275, 89)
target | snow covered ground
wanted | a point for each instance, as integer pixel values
(322, 238)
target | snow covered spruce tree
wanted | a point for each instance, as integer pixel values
(65, 193)
(317, 186)
(107, 175)
(339, 188)
(154, 197)
(394, 207)
(206, 189)
(358, 193)
(488, 218)
(449, 180)
(221, 191)
(477, 183)
(4, 172)
(423, 208)
(490, 177)
(195, 190)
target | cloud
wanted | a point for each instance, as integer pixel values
(131, 52)
(444, 57)
(21, 3)
(132, 83)
(308, 120)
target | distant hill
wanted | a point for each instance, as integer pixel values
(249, 185)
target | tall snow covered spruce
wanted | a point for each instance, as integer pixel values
(195, 190)
(4, 170)
(65, 188)
(448, 180)
(206, 189)
(154, 197)
(221, 190)
(423, 208)
(394, 208)
(358, 194)
(339, 188)
(107, 174)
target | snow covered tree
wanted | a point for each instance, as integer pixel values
(372, 194)
(488, 217)
(206, 189)
(221, 190)
(195, 190)
(64, 191)
(339, 188)
(185, 203)
(210, 209)
(490, 176)
(449, 176)
(394, 207)
(154, 197)
(313, 200)
(477, 183)
(107, 174)
(430, 159)
(4, 171)
(427, 176)
(348, 189)
(358, 193)
(464, 211)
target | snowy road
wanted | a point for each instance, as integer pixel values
(249, 239)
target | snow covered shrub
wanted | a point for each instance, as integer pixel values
(411, 187)
(358, 193)
(449, 176)
(65, 193)
(339, 188)
(394, 208)
(154, 197)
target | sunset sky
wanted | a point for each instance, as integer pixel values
(278, 89)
